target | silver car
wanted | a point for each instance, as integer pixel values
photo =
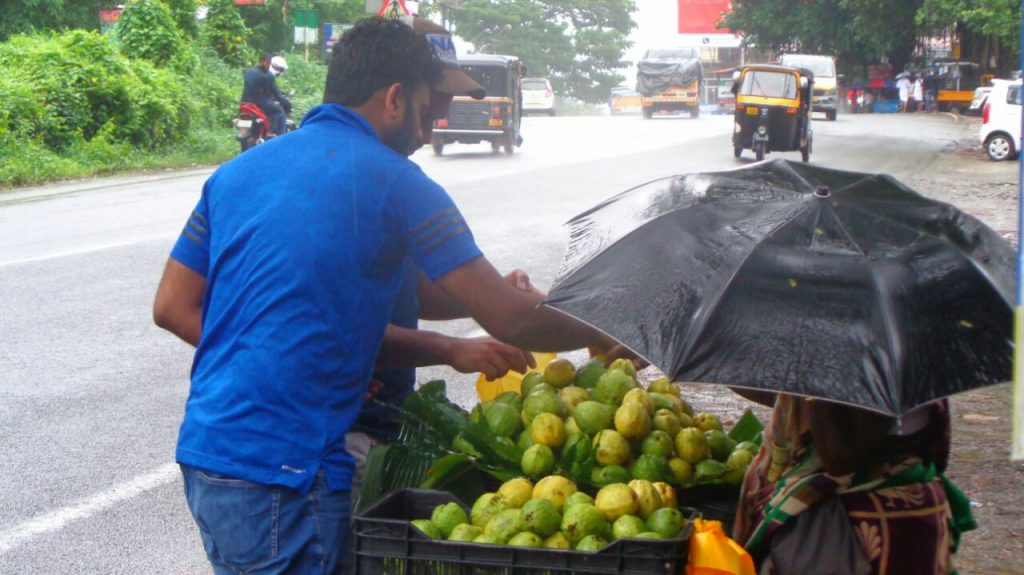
(538, 97)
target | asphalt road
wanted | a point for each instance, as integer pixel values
(91, 393)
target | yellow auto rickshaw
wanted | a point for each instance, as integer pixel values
(773, 110)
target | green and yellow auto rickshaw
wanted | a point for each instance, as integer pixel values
(773, 110)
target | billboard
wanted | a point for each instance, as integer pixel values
(701, 16)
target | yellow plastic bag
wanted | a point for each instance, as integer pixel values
(488, 390)
(712, 552)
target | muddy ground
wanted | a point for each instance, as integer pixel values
(980, 463)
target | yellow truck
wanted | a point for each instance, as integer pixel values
(669, 80)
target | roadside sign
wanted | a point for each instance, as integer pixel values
(393, 9)
(332, 33)
(306, 27)
(108, 19)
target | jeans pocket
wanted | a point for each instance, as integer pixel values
(238, 519)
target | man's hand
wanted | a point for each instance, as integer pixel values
(488, 356)
(518, 279)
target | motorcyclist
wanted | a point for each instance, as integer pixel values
(260, 88)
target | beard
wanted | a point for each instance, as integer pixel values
(403, 140)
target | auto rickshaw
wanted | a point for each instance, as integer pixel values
(773, 110)
(497, 117)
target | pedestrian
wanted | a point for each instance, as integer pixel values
(285, 280)
(379, 421)
(918, 92)
(931, 90)
(858, 491)
(904, 86)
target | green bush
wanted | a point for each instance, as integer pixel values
(225, 31)
(147, 30)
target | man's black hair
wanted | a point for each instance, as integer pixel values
(265, 57)
(374, 54)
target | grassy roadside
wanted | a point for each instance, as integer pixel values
(23, 165)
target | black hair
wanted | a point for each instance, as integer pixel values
(374, 54)
(265, 57)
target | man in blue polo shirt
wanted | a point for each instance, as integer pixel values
(285, 282)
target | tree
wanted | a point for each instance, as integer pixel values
(989, 30)
(226, 32)
(147, 30)
(577, 44)
(272, 24)
(27, 16)
(856, 31)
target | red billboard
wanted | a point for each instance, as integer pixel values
(701, 16)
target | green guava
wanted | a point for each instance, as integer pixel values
(612, 387)
(616, 500)
(516, 492)
(748, 446)
(559, 373)
(524, 441)
(692, 445)
(632, 420)
(587, 376)
(485, 507)
(554, 488)
(718, 444)
(570, 426)
(639, 395)
(530, 380)
(681, 470)
(660, 385)
(525, 539)
(609, 474)
(427, 528)
(557, 541)
(648, 535)
(505, 524)
(538, 403)
(661, 401)
(739, 459)
(707, 421)
(650, 467)
(541, 517)
(538, 460)
(628, 527)
(667, 493)
(547, 429)
(582, 520)
(708, 470)
(667, 522)
(591, 544)
(593, 416)
(577, 498)
(511, 399)
(658, 443)
(647, 496)
(572, 396)
(665, 420)
(488, 539)
(626, 366)
(501, 419)
(611, 448)
(465, 532)
(446, 516)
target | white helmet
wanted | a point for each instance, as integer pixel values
(278, 65)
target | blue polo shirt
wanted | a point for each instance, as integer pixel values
(301, 241)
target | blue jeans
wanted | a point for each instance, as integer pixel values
(250, 528)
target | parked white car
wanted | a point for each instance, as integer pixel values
(538, 97)
(1000, 120)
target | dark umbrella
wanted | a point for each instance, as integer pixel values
(796, 278)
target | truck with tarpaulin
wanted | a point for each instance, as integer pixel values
(670, 80)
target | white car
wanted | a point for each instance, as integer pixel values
(538, 97)
(1000, 121)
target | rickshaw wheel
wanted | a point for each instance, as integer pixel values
(648, 113)
(495, 146)
(510, 144)
(439, 149)
(737, 151)
(759, 151)
(805, 154)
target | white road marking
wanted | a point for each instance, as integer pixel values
(87, 249)
(84, 508)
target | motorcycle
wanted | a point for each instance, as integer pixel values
(253, 125)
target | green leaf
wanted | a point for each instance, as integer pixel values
(748, 428)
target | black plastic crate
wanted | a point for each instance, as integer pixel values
(386, 543)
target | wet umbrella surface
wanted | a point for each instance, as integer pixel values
(796, 278)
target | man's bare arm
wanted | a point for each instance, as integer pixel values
(435, 304)
(404, 348)
(178, 306)
(515, 317)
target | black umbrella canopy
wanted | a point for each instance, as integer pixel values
(791, 277)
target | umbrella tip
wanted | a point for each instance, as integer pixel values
(822, 192)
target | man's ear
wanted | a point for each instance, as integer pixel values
(394, 101)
